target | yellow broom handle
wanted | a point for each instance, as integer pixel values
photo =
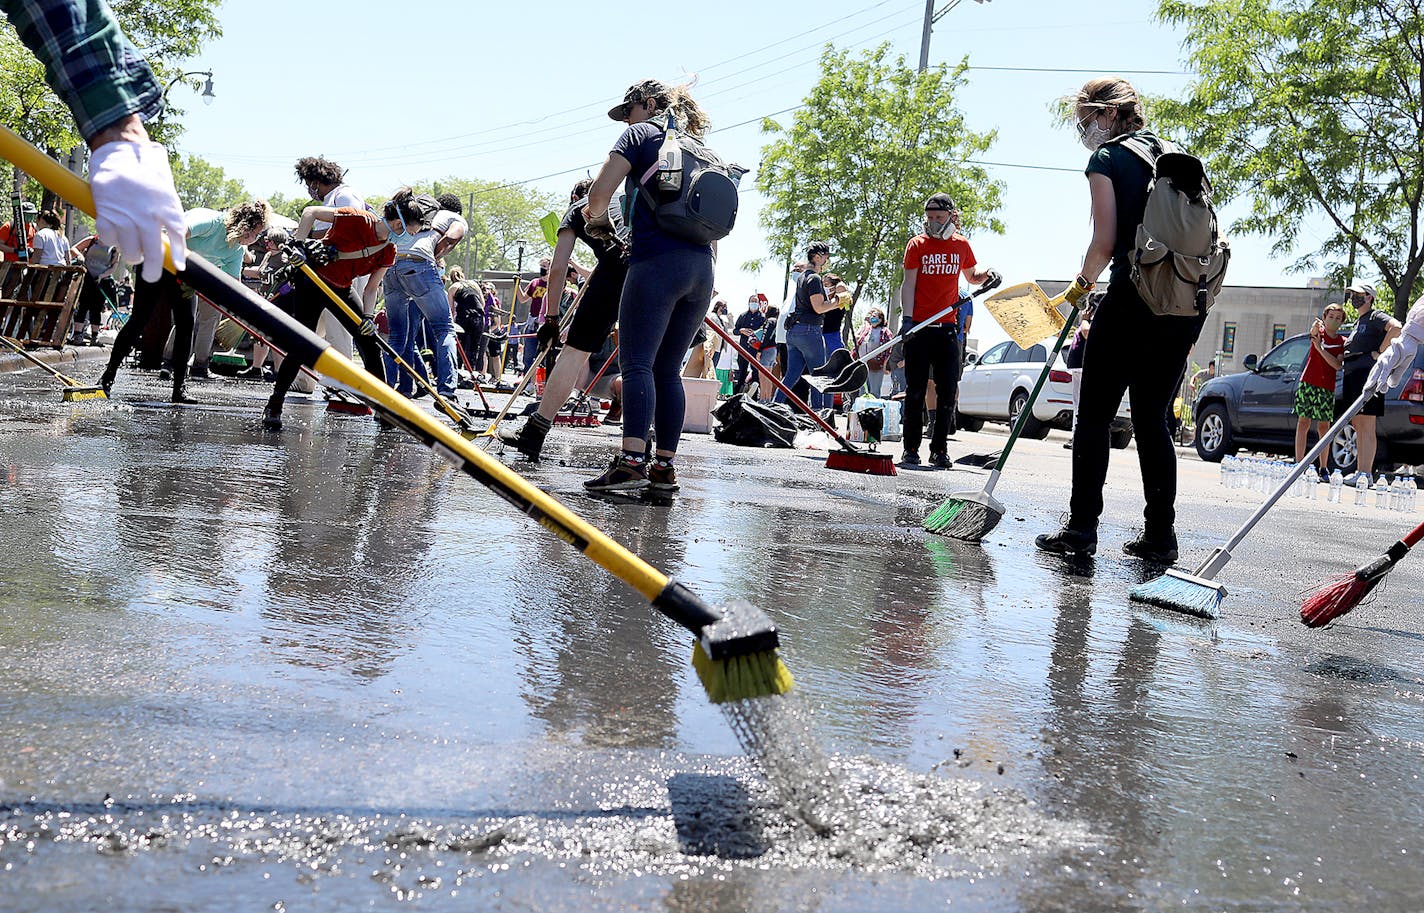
(549, 513)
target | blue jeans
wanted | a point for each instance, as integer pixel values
(833, 342)
(529, 345)
(412, 288)
(664, 300)
(805, 349)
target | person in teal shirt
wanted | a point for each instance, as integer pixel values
(221, 237)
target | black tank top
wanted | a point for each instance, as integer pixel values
(1368, 334)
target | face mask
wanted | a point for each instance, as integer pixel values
(938, 230)
(875, 321)
(1094, 136)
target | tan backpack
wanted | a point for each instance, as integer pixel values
(1179, 262)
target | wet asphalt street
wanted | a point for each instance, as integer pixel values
(320, 670)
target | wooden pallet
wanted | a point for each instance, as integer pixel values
(37, 302)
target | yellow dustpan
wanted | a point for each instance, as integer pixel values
(1027, 313)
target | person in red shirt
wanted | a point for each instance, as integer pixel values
(934, 261)
(362, 248)
(1315, 394)
(9, 238)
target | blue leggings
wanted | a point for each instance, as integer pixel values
(664, 300)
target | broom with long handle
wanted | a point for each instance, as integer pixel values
(1338, 596)
(471, 368)
(970, 515)
(73, 389)
(848, 458)
(735, 653)
(1199, 593)
(457, 415)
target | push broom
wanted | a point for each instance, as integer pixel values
(1346, 591)
(848, 458)
(74, 391)
(735, 652)
(970, 515)
(1199, 593)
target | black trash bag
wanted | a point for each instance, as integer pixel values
(748, 423)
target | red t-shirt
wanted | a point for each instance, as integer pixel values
(537, 289)
(353, 230)
(1317, 373)
(7, 237)
(940, 261)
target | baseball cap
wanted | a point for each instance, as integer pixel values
(940, 202)
(640, 91)
(1363, 288)
(28, 208)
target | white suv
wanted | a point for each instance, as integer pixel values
(996, 386)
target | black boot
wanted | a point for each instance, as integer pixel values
(272, 415)
(180, 397)
(529, 437)
(1068, 541)
(106, 380)
(1157, 547)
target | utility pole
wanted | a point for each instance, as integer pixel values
(931, 17)
(469, 230)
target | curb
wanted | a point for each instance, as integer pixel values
(59, 359)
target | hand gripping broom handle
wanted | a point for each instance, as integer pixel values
(667, 596)
(795, 400)
(1032, 398)
(1219, 558)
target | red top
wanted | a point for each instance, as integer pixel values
(939, 261)
(1317, 373)
(353, 230)
(7, 236)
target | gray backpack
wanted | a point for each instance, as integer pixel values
(1179, 261)
(690, 190)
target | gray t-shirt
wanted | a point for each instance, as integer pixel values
(422, 243)
(51, 248)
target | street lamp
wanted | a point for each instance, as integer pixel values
(207, 94)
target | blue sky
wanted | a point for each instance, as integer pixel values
(417, 91)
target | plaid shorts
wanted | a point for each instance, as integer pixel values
(1315, 403)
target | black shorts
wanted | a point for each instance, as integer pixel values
(598, 309)
(1353, 386)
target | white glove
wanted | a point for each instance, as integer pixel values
(1391, 367)
(134, 200)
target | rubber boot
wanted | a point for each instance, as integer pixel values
(272, 415)
(106, 380)
(180, 396)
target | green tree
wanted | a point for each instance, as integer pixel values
(874, 139)
(1312, 108)
(502, 215)
(201, 183)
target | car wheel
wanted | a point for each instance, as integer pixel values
(1033, 428)
(1345, 450)
(969, 422)
(1120, 438)
(1214, 434)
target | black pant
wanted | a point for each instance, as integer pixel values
(148, 297)
(931, 353)
(472, 341)
(92, 299)
(308, 302)
(1129, 349)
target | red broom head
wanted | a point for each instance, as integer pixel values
(1335, 598)
(875, 464)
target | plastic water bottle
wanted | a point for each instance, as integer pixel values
(1381, 494)
(1411, 494)
(1311, 480)
(1337, 481)
(1396, 495)
(1362, 490)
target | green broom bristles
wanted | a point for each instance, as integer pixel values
(740, 677)
(963, 519)
(1182, 592)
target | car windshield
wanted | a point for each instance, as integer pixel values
(1288, 357)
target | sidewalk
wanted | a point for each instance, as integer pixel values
(64, 360)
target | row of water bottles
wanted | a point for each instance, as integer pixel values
(1266, 475)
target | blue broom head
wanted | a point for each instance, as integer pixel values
(967, 516)
(1182, 592)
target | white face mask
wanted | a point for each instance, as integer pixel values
(1094, 136)
(938, 229)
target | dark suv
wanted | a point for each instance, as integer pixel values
(1253, 409)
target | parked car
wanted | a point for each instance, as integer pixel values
(996, 386)
(1253, 409)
